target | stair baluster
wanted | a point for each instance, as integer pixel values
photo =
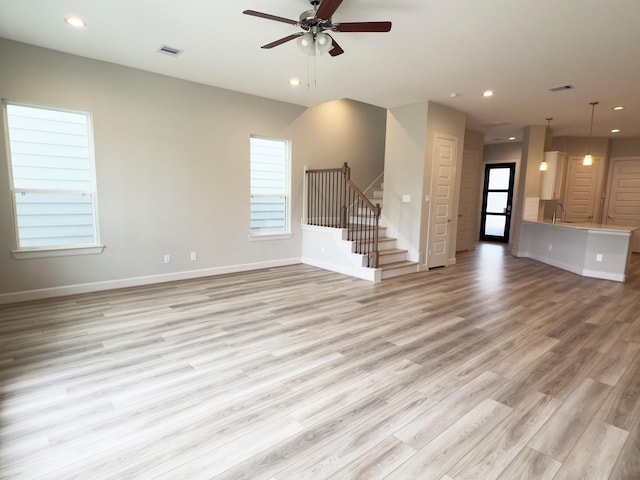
(333, 200)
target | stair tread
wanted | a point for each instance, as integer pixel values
(391, 266)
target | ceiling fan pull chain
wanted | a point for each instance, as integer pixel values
(315, 67)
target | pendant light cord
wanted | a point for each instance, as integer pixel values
(593, 108)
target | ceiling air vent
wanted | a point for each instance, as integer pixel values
(496, 124)
(167, 50)
(562, 88)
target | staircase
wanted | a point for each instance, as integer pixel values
(342, 233)
(392, 261)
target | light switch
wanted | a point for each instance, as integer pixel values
(406, 198)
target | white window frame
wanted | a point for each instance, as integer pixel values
(287, 193)
(53, 250)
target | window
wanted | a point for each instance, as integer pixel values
(270, 185)
(52, 177)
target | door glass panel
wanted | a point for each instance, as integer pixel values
(497, 202)
(494, 225)
(499, 178)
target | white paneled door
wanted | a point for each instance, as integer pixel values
(623, 205)
(442, 194)
(583, 191)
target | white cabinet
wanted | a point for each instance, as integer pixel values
(552, 179)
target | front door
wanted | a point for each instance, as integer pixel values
(497, 198)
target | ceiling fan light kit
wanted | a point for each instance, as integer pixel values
(314, 23)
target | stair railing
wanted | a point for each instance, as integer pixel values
(333, 200)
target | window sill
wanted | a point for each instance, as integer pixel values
(264, 237)
(57, 252)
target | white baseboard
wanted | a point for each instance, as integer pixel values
(64, 290)
(616, 277)
(575, 269)
(556, 263)
(370, 274)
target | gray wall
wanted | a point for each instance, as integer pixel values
(503, 152)
(172, 161)
(625, 147)
(403, 175)
(411, 133)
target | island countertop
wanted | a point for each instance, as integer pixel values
(585, 226)
(588, 249)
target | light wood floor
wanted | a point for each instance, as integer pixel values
(494, 368)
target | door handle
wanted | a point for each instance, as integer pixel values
(610, 216)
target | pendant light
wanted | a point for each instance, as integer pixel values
(544, 166)
(588, 159)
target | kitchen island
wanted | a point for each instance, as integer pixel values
(588, 249)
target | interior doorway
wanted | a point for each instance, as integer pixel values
(467, 231)
(497, 200)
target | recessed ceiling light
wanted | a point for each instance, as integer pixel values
(294, 82)
(619, 107)
(75, 22)
(512, 139)
(487, 93)
(615, 130)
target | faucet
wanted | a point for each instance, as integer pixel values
(555, 211)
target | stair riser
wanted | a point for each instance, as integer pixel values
(392, 258)
(358, 234)
(396, 272)
(364, 212)
(365, 220)
(386, 244)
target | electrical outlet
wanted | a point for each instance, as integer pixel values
(550, 247)
(598, 257)
(167, 259)
(194, 256)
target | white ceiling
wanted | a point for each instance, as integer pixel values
(518, 48)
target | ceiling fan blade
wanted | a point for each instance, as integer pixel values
(327, 8)
(337, 49)
(362, 27)
(270, 17)
(283, 40)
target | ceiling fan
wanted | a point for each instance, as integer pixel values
(315, 22)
